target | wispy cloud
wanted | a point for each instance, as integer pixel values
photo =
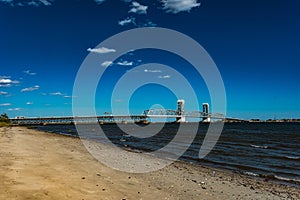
(39, 2)
(138, 8)
(176, 6)
(106, 63)
(125, 63)
(101, 50)
(70, 97)
(128, 20)
(1, 77)
(5, 85)
(29, 103)
(14, 109)
(3, 93)
(149, 24)
(30, 89)
(28, 72)
(5, 104)
(35, 3)
(152, 71)
(99, 1)
(56, 94)
(164, 77)
(6, 1)
(118, 100)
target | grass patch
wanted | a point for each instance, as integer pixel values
(4, 124)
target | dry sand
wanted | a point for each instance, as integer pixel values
(38, 165)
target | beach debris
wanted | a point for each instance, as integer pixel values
(214, 173)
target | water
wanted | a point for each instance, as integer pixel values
(268, 150)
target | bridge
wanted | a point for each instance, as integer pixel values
(179, 115)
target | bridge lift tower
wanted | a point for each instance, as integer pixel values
(180, 111)
(205, 110)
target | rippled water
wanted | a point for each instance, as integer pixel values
(270, 150)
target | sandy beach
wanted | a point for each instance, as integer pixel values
(38, 165)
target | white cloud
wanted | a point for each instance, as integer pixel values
(28, 72)
(14, 109)
(7, 82)
(138, 8)
(29, 103)
(30, 89)
(3, 93)
(106, 63)
(5, 104)
(99, 1)
(152, 71)
(127, 21)
(101, 50)
(56, 94)
(176, 6)
(164, 77)
(125, 63)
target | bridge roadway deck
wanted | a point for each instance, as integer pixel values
(104, 119)
(84, 119)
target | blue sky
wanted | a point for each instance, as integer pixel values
(255, 45)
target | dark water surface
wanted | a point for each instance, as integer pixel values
(268, 150)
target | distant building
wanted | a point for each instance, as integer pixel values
(19, 117)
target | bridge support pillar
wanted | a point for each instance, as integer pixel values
(180, 119)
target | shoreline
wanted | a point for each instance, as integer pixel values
(261, 176)
(35, 164)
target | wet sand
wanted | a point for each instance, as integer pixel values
(38, 165)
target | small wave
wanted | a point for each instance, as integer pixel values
(292, 157)
(250, 173)
(257, 146)
(287, 179)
